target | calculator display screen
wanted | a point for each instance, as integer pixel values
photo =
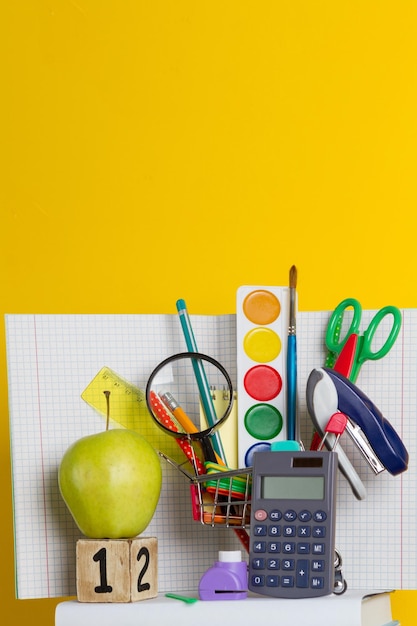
(292, 487)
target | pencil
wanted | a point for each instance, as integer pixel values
(189, 427)
(200, 375)
(292, 361)
(184, 444)
(171, 404)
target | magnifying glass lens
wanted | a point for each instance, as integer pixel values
(180, 395)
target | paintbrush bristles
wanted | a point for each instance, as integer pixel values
(293, 277)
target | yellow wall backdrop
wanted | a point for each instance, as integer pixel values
(157, 150)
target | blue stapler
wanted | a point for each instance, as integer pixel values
(327, 392)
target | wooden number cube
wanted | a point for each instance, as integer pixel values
(143, 568)
(117, 570)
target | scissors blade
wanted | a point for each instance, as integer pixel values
(344, 362)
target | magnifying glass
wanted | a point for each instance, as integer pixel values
(174, 399)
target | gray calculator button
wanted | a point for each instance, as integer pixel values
(259, 546)
(303, 548)
(290, 515)
(260, 515)
(274, 546)
(304, 516)
(318, 548)
(275, 515)
(317, 582)
(258, 580)
(302, 573)
(288, 547)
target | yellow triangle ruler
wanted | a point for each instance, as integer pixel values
(128, 408)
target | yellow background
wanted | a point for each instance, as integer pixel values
(157, 150)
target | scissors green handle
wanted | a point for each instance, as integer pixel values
(363, 350)
(333, 342)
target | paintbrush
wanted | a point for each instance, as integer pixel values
(292, 361)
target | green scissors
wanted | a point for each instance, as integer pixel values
(347, 355)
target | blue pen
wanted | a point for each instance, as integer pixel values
(200, 375)
(292, 362)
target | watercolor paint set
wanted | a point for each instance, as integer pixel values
(262, 317)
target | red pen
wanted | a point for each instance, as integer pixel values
(185, 445)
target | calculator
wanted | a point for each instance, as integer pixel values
(292, 527)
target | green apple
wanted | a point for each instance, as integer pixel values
(111, 483)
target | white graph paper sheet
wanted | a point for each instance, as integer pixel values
(51, 360)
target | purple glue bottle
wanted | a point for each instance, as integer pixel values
(227, 579)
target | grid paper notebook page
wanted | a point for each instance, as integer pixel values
(53, 358)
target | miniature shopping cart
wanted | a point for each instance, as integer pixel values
(220, 497)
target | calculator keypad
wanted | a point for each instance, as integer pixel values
(289, 552)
